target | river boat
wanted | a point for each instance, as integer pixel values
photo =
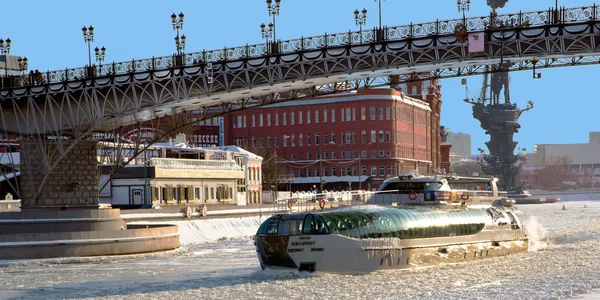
(412, 221)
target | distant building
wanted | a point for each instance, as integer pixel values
(583, 160)
(461, 143)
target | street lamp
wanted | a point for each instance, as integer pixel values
(379, 13)
(23, 64)
(5, 50)
(267, 32)
(88, 37)
(463, 6)
(273, 12)
(177, 26)
(360, 20)
(100, 54)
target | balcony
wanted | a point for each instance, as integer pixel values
(201, 164)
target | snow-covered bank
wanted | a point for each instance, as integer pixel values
(211, 230)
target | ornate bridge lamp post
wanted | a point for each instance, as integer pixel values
(88, 38)
(5, 50)
(100, 54)
(177, 21)
(267, 32)
(379, 13)
(273, 12)
(23, 64)
(361, 19)
(463, 6)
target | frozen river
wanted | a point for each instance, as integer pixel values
(566, 265)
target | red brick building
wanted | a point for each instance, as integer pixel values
(348, 141)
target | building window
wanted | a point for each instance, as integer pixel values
(333, 137)
(253, 141)
(413, 90)
(372, 113)
(353, 154)
(353, 171)
(300, 117)
(325, 172)
(348, 138)
(354, 114)
(373, 136)
(244, 121)
(284, 119)
(293, 158)
(363, 153)
(388, 153)
(308, 117)
(308, 173)
(364, 171)
(308, 140)
(333, 172)
(388, 113)
(348, 172)
(325, 155)
(381, 171)
(285, 141)
(373, 153)
(239, 121)
(276, 119)
(348, 154)
(260, 120)
(363, 136)
(380, 109)
(300, 140)
(325, 116)
(389, 171)
(343, 154)
(318, 155)
(317, 139)
(333, 155)
(253, 121)
(292, 115)
(326, 139)
(332, 115)
(317, 172)
(381, 136)
(388, 138)
(354, 138)
(262, 142)
(348, 116)
(316, 116)
(380, 153)
(276, 141)
(268, 119)
(373, 171)
(269, 142)
(293, 140)
(341, 115)
(308, 156)
(363, 113)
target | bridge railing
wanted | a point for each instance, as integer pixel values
(521, 19)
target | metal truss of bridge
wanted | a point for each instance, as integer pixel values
(66, 106)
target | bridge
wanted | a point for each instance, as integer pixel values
(61, 110)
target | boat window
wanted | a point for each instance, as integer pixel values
(350, 225)
(263, 227)
(295, 227)
(361, 226)
(331, 225)
(339, 223)
(320, 226)
(272, 226)
(309, 225)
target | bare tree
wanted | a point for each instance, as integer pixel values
(554, 173)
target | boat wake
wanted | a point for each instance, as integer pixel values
(537, 235)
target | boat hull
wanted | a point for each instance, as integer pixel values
(344, 255)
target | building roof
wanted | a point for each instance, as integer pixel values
(352, 96)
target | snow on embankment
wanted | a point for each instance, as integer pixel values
(211, 230)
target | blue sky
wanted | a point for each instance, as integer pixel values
(49, 34)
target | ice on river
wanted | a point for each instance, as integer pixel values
(564, 263)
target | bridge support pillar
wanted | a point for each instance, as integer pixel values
(72, 182)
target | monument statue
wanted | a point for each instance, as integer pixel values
(500, 120)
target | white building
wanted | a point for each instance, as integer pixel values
(174, 173)
(461, 144)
